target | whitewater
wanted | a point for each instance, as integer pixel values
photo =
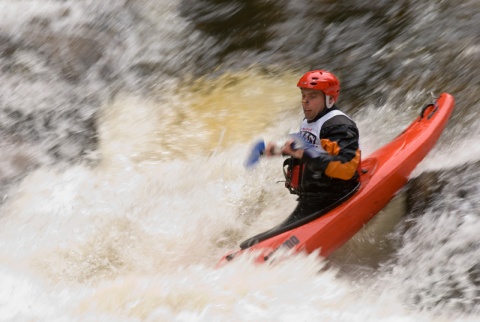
(122, 177)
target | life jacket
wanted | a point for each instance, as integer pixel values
(302, 181)
(293, 171)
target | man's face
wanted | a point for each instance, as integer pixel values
(313, 102)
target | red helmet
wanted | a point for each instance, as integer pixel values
(321, 80)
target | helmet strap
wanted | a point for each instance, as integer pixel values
(329, 101)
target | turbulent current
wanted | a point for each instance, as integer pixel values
(124, 126)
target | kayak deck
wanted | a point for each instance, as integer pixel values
(283, 228)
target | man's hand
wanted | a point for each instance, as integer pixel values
(287, 149)
(272, 150)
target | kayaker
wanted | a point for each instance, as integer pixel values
(323, 180)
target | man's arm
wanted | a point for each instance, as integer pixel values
(343, 152)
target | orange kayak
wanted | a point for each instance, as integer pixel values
(384, 173)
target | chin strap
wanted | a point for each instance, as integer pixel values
(329, 101)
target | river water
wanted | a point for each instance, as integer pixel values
(124, 129)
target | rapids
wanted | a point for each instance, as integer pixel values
(124, 129)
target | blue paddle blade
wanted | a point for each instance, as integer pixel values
(257, 151)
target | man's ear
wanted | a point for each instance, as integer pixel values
(329, 101)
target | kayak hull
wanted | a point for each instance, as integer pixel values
(384, 173)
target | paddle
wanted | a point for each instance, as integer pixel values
(258, 149)
(256, 152)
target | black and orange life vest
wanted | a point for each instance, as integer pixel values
(337, 168)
